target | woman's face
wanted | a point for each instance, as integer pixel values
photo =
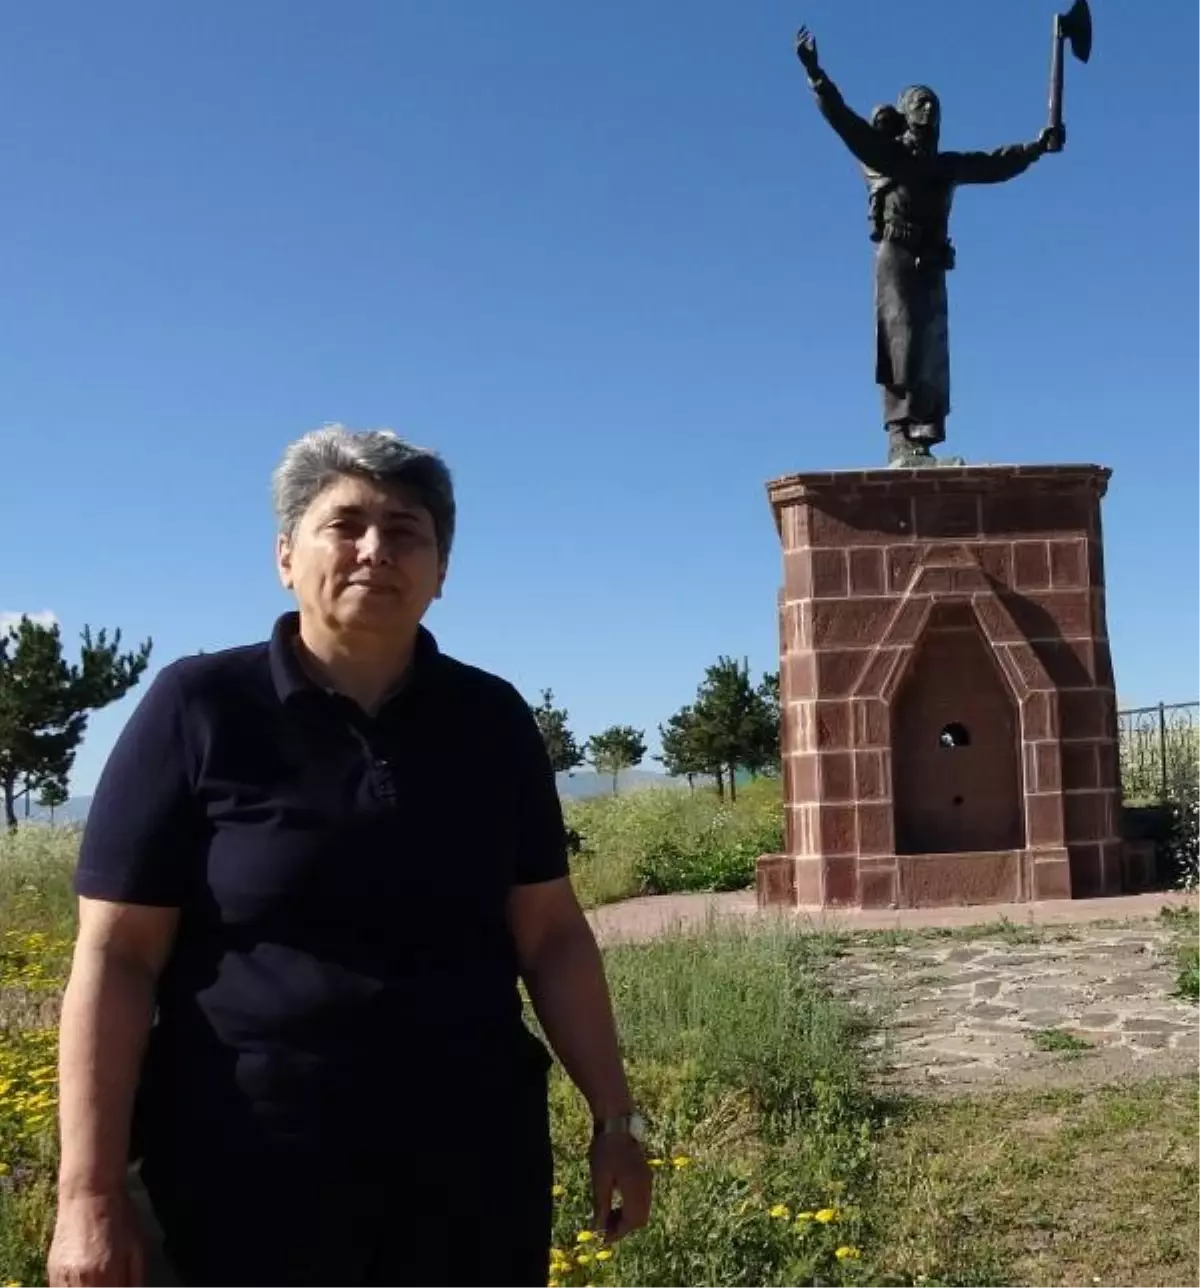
(363, 558)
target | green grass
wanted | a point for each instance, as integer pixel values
(664, 840)
(1059, 1040)
(1057, 1188)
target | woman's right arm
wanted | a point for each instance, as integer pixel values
(107, 1011)
(871, 147)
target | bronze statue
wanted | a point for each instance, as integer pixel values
(911, 186)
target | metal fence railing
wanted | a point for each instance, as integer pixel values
(1160, 751)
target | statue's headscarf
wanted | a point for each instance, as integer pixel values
(907, 101)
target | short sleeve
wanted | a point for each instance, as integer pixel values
(144, 830)
(541, 840)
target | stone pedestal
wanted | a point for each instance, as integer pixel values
(949, 716)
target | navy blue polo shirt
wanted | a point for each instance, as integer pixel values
(343, 967)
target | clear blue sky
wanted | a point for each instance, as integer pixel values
(609, 260)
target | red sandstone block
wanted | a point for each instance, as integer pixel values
(902, 564)
(1069, 663)
(1095, 563)
(952, 615)
(775, 881)
(1039, 716)
(867, 576)
(1099, 615)
(805, 784)
(948, 515)
(875, 828)
(797, 625)
(1108, 765)
(841, 882)
(1080, 766)
(1083, 713)
(803, 829)
(997, 623)
(910, 620)
(798, 676)
(860, 518)
(877, 887)
(838, 828)
(872, 776)
(1051, 879)
(1068, 565)
(1041, 513)
(849, 623)
(803, 726)
(807, 883)
(797, 574)
(879, 671)
(1111, 867)
(995, 559)
(1031, 565)
(1021, 662)
(1087, 816)
(1103, 666)
(838, 670)
(1043, 766)
(935, 580)
(829, 575)
(1086, 871)
(837, 776)
(832, 725)
(871, 723)
(1043, 819)
(1051, 614)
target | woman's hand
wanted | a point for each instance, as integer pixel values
(97, 1241)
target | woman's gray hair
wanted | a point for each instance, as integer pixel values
(311, 463)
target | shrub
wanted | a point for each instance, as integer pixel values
(664, 840)
(761, 1129)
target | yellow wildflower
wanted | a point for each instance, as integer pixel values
(845, 1253)
(4, 1169)
(555, 1284)
(585, 1236)
(780, 1212)
(655, 1162)
(805, 1216)
(605, 1254)
(680, 1161)
(557, 1254)
(558, 1191)
(826, 1216)
(583, 1258)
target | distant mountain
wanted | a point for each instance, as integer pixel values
(575, 786)
(74, 811)
(584, 783)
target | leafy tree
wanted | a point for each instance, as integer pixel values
(560, 741)
(618, 747)
(45, 701)
(53, 795)
(682, 755)
(736, 724)
(764, 750)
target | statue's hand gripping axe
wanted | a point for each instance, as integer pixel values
(1073, 27)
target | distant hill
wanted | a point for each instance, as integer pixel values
(585, 783)
(576, 786)
(74, 811)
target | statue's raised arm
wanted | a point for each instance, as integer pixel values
(1001, 164)
(874, 148)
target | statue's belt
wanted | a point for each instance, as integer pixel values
(938, 254)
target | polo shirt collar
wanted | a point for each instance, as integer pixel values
(290, 678)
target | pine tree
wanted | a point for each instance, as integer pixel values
(45, 701)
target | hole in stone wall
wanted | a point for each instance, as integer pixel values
(954, 735)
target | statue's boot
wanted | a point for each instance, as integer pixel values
(905, 452)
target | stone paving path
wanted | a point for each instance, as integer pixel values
(961, 1014)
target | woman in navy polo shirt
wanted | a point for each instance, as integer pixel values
(294, 999)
